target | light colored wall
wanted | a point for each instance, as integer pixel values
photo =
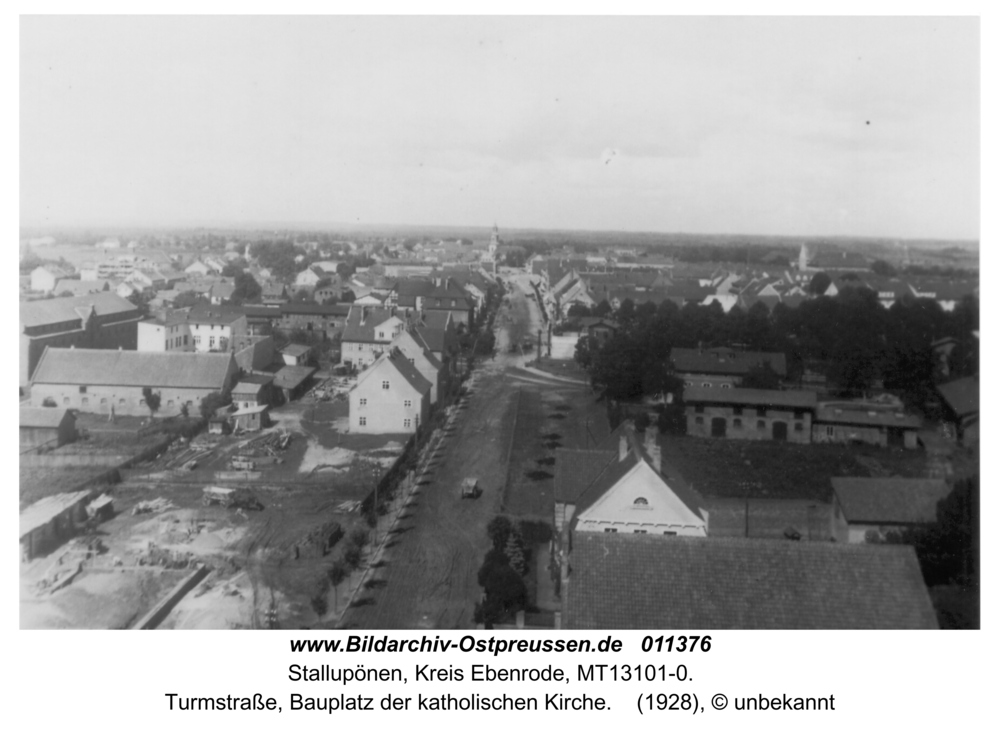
(749, 420)
(385, 411)
(126, 400)
(664, 512)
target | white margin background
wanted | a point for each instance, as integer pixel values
(117, 679)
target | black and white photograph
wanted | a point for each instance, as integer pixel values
(499, 323)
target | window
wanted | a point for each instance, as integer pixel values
(211, 342)
(737, 423)
(699, 408)
(761, 412)
(170, 403)
(84, 400)
(798, 415)
(381, 335)
(706, 384)
(362, 402)
(725, 386)
(122, 402)
(407, 422)
(185, 339)
(761, 425)
(699, 420)
(197, 341)
(640, 502)
(609, 530)
(407, 403)
(65, 401)
(362, 421)
(829, 430)
(385, 384)
(83, 388)
(104, 401)
(640, 531)
(670, 534)
(798, 427)
(142, 402)
(737, 410)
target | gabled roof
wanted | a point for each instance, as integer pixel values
(296, 350)
(962, 396)
(291, 376)
(395, 359)
(42, 417)
(859, 415)
(890, 500)
(575, 470)
(362, 322)
(751, 397)
(129, 368)
(418, 341)
(638, 581)
(67, 308)
(725, 361)
(208, 314)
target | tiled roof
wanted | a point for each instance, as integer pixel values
(41, 417)
(129, 368)
(890, 500)
(637, 581)
(291, 376)
(961, 395)
(725, 361)
(79, 288)
(396, 359)
(295, 350)
(832, 413)
(65, 308)
(575, 470)
(751, 397)
(361, 323)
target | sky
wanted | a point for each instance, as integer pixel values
(766, 126)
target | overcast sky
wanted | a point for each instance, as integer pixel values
(709, 125)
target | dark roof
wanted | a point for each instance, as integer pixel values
(361, 323)
(335, 310)
(638, 581)
(129, 368)
(962, 396)
(79, 288)
(890, 500)
(291, 376)
(751, 397)
(395, 358)
(296, 350)
(69, 308)
(575, 470)
(42, 417)
(725, 361)
(209, 314)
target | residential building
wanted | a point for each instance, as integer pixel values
(416, 351)
(367, 334)
(750, 414)
(722, 367)
(327, 320)
(624, 490)
(961, 401)
(50, 521)
(296, 354)
(868, 509)
(630, 582)
(111, 381)
(95, 321)
(293, 381)
(391, 396)
(250, 419)
(202, 328)
(253, 390)
(44, 278)
(865, 422)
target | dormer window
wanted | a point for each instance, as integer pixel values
(640, 502)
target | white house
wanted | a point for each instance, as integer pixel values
(391, 396)
(367, 334)
(201, 329)
(625, 490)
(44, 278)
(424, 360)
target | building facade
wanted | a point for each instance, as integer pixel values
(748, 414)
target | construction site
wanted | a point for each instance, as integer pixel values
(222, 531)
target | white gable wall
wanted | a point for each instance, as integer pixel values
(663, 512)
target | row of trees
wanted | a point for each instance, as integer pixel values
(851, 337)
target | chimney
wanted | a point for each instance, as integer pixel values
(622, 448)
(652, 448)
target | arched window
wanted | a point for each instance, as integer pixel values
(640, 502)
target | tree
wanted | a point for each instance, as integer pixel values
(762, 377)
(212, 402)
(185, 410)
(152, 400)
(245, 288)
(347, 296)
(819, 284)
(499, 529)
(577, 310)
(505, 593)
(514, 551)
(602, 308)
(881, 268)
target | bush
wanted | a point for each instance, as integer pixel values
(352, 556)
(359, 537)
